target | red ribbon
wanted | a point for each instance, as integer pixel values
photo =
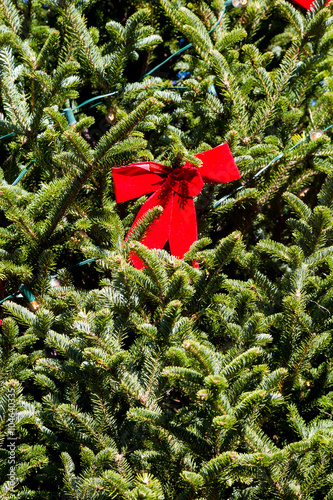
(306, 3)
(174, 190)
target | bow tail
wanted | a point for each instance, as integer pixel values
(158, 232)
(183, 226)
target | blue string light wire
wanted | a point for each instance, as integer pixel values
(7, 135)
(188, 46)
(9, 297)
(24, 171)
(69, 113)
(67, 110)
(95, 99)
(261, 171)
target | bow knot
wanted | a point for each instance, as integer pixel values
(185, 181)
(174, 190)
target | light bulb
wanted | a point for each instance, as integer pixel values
(68, 112)
(239, 3)
(109, 116)
(33, 306)
(212, 90)
(315, 134)
(54, 282)
(30, 298)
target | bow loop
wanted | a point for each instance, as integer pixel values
(138, 179)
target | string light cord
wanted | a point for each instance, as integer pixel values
(24, 171)
(95, 99)
(119, 92)
(9, 297)
(7, 135)
(180, 51)
(83, 263)
(262, 170)
(327, 128)
(188, 46)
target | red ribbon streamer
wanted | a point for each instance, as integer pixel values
(174, 190)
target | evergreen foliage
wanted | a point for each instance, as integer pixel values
(174, 381)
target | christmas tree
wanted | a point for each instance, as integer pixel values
(157, 352)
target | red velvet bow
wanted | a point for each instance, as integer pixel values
(174, 191)
(306, 3)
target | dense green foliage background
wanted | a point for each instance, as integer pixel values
(170, 382)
